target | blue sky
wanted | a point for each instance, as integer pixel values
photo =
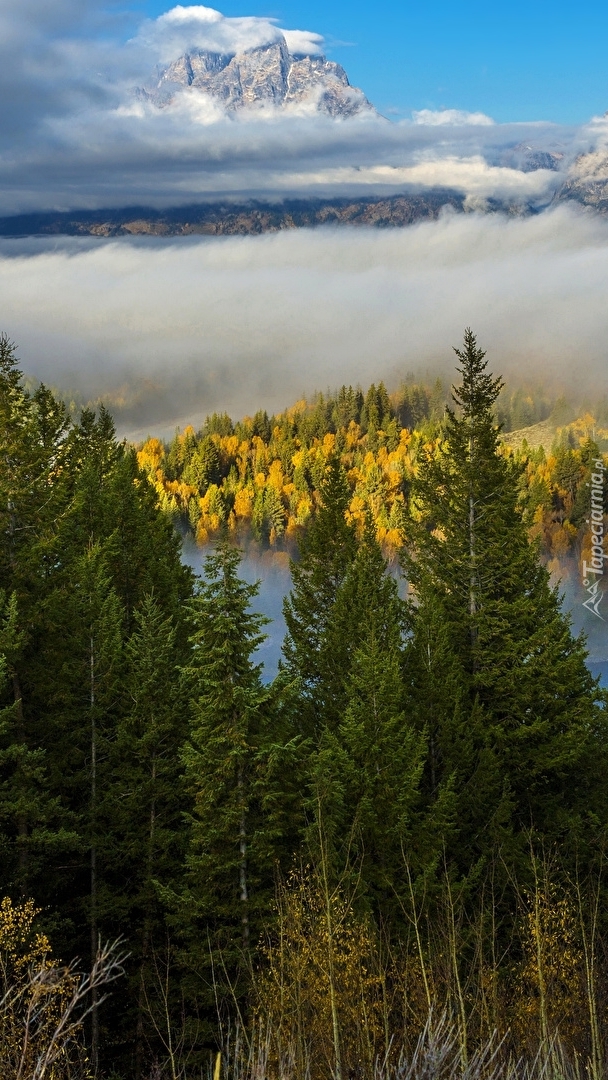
(516, 61)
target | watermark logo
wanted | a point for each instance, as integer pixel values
(593, 571)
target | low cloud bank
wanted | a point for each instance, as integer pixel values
(172, 330)
(451, 118)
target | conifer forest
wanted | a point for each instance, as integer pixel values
(389, 862)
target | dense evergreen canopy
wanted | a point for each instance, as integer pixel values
(411, 759)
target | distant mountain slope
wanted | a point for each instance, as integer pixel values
(244, 219)
(536, 435)
(587, 181)
(266, 75)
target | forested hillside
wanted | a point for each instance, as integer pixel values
(398, 843)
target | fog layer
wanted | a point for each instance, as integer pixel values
(172, 330)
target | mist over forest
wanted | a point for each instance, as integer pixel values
(315, 308)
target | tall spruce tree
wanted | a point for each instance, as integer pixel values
(383, 757)
(141, 809)
(96, 653)
(528, 746)
(33, 433)
(367, 803)
(33, 430)
(313, 655)
(365, 778)
(367, 592)
(34, 827)
(228, 869)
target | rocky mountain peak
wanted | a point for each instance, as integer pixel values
(266, 75)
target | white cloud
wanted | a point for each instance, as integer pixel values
(241, 323)
(183, 29)
(451, 118)
(138, 154)
(304, 42)
(472, 176)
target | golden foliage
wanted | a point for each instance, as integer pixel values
(34, 992)
(321, 954)
(379, 467)
(377, 479)
(550, 986)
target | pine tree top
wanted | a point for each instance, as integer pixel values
(479, 389)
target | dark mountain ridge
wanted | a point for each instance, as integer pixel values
(226, 218)
(249, 217)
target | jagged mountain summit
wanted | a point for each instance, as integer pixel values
(587, 181)
(529, 158)
(268, 75)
